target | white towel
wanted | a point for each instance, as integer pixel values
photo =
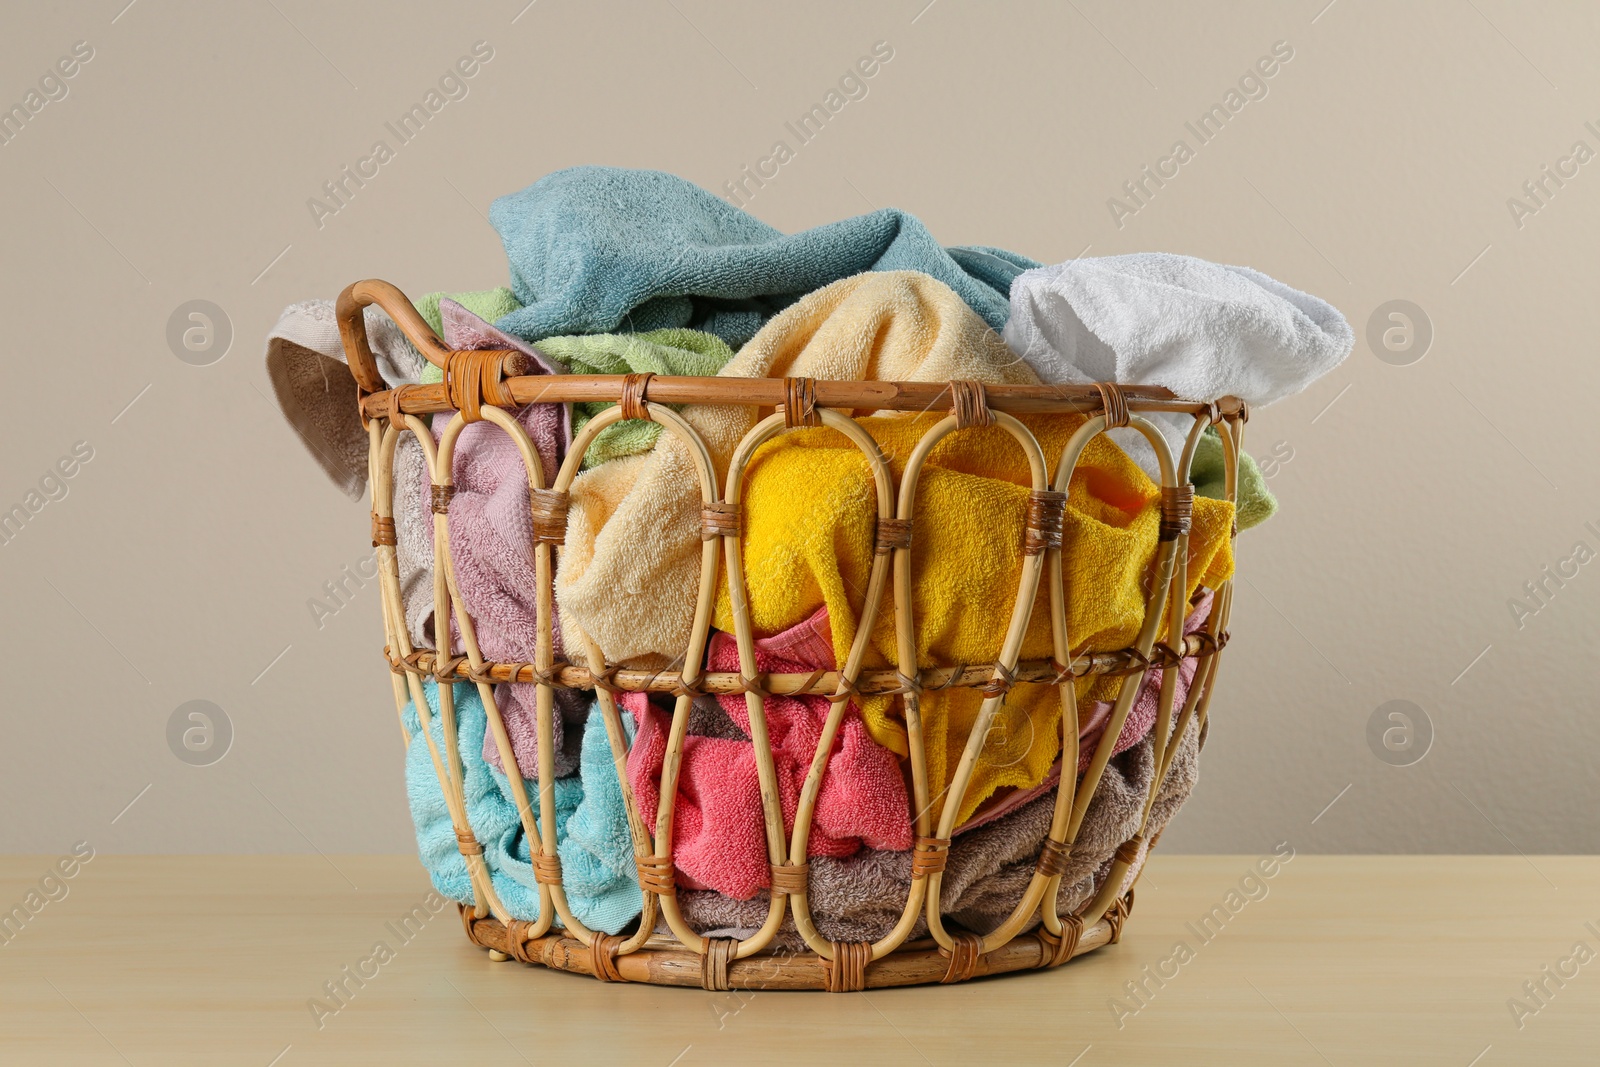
(1201, 329)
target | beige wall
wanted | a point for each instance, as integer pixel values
(1418, 500)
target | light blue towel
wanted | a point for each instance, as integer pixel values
(605, 250)
(592, 837)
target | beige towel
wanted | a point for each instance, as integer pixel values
(630, 570)
(861, 897)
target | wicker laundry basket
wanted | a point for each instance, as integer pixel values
(482, 385)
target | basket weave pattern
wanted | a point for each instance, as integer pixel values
(482, 385)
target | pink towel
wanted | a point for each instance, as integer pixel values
(491, 546)
(718, 837)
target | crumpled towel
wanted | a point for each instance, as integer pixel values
(487, 304)
(1201, 329)
(860, 897)
(316, 392)
(592, 836)
(630, 567)
(491, 549)
(1208, 473)
(809, 541)
(718, 833)
(683, 352)
(605, 249)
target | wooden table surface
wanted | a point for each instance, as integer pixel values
(1334, 960)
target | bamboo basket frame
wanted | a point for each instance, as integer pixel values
(481, 385)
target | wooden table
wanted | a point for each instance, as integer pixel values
(1343, 960)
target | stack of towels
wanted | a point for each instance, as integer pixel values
(618, 271)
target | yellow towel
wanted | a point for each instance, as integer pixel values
(809, 510)
(630, 570)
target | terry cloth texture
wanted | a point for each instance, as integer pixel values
(487, 304)
(630, 569)
(316, 392)
(1256, 504)
(491, 548)
(809, 541)
(592, 837)
(682, 352)
(1201, 329)
(1092, 718)
(719, 838)
(604, 249)
(860, 897)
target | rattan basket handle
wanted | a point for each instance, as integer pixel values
(353, 329)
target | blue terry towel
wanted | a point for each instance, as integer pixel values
(592, 838)
(605, 250)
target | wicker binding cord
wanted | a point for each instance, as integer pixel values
(487, 386)
(1058, 950)
(1046, 513)
(929, 856)
(847, 971)
(800, 403)
(790, 878)
(1114, 403)
(549, 511)
(633, 399)
(714, 963)
(1053, 857)
(963, 957)
(603, 957)
(893, 534)
(969, 403)
(720, 519)
(655, 875)
(1177, 510)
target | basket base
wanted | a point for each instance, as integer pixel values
(917, 963)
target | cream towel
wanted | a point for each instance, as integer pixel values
(630, 569)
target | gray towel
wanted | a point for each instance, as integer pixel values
(861, 897)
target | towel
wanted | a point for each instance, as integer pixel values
(1092, 718)
(718, 834)
(630, 568)
(682, 352)
(1208, 472)
(592, 837)
(1201, 329)
(808, 539)
(491, 548)
(316, 392)
(489, 304)
(859, 898)
(603, 249)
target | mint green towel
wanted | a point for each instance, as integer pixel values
(1255, 505)
(670, 351)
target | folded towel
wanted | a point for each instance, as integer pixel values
(602, 249)
(592, 837)
(860, 897)
(809, 541)
(718, 834)
(1201, 329)
(683, 352)
(630, 568)
(316, 392)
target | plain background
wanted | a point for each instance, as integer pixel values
(1418, 500)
